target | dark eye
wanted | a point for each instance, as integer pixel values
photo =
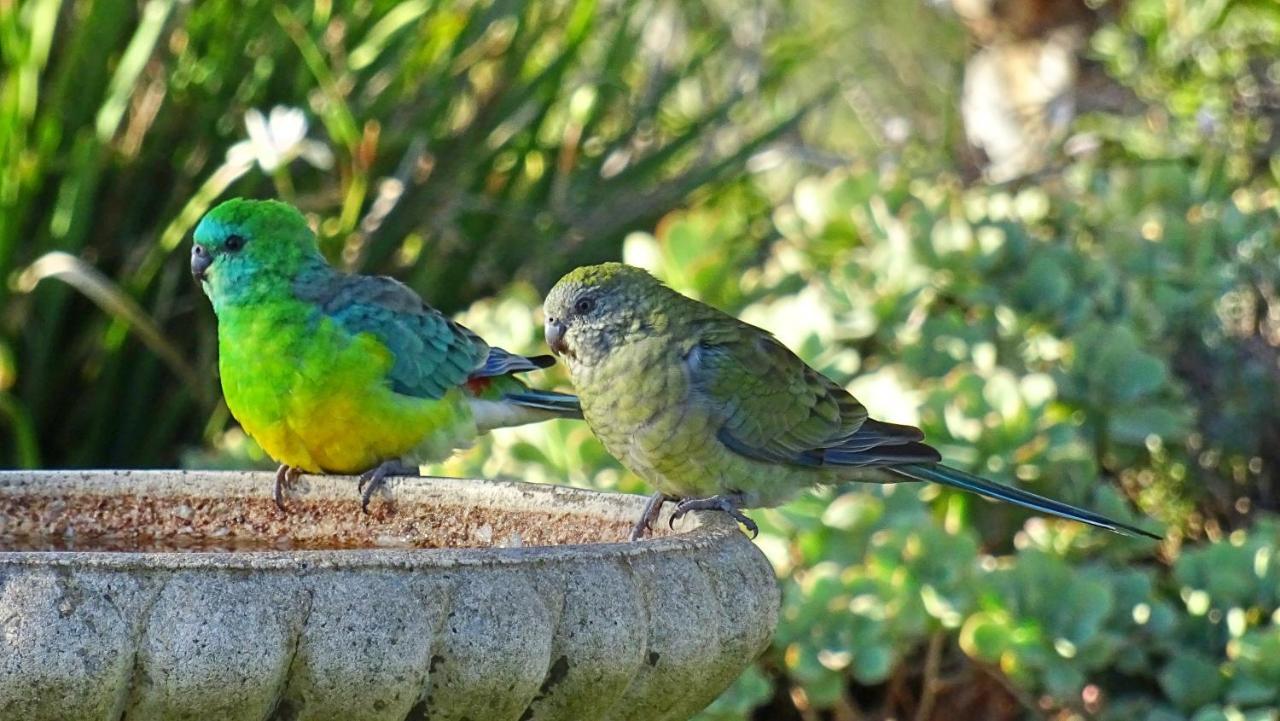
(234, 243)
(584, 306)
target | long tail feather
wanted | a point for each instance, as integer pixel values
(564, 405)
(947, 476)
(501, 362)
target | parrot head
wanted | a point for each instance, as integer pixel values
(595, 309)
(245, 249)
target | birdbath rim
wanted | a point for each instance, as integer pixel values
(696, 531)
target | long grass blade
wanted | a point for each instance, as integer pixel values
(108, 296)
(143, 44)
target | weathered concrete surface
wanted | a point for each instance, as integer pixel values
(444, 624)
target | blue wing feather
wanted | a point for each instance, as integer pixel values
(502, 362)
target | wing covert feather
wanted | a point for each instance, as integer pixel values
(769, 400)
(432, 354)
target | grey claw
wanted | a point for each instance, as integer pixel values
(727, 504)
(285, 476)
(681, 511)
(374, 478)
(369, 483)
(652, 509)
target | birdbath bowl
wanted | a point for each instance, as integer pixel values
(174, 595)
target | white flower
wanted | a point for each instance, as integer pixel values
(278, 140)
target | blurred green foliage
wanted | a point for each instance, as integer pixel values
(1106, 332)
(459, 144)
(1032, 335)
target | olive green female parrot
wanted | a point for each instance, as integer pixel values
(332, 372)
(717, 414)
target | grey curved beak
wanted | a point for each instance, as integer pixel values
(554, 330)
(200, 261)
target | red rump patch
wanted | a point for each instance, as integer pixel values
(478, 385)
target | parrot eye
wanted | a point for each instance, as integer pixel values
(584, 306)
(234, 243)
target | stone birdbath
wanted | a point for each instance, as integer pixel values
(172, 595)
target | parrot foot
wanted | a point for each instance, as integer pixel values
(730, 504)
(652, 510)
(375, 478)
(285, 476)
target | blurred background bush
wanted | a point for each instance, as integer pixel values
(1045, 231)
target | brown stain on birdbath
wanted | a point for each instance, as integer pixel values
(318, 515)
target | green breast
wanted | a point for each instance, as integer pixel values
(637, 402)
(261, 354)
(317, 397)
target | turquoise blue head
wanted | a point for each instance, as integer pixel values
(246, 250)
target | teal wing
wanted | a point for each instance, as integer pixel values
(432, 353)
(775, 408)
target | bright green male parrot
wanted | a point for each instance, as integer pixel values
(337, 373)
(717, 414)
